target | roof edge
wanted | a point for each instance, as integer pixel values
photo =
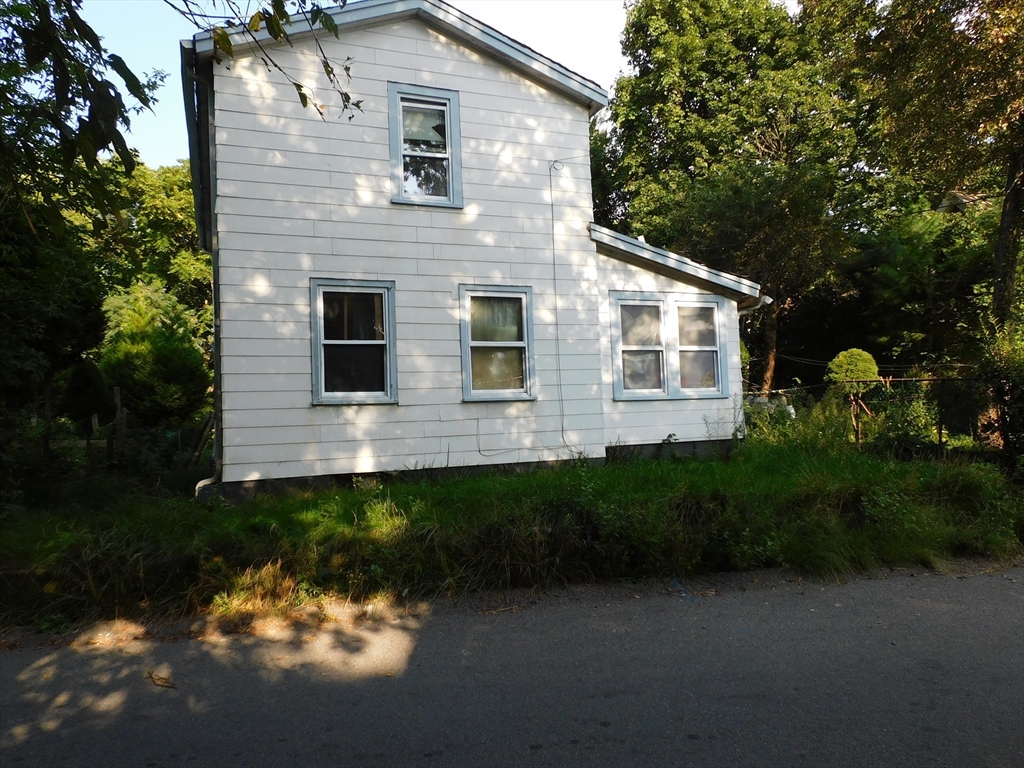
(618, 245)
(446, 18)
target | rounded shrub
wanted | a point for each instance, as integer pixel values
(851, 372)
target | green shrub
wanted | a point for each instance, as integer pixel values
(902, 411)
(1003, 370)
(852, 372)
(150, 353)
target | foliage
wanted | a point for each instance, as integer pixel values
(58, 109)
(85, 393)
(57, 101)
(150, 352)
(736, 148)
(945, 82)
(1003, 369)
(231, 21)
(149, 234)
(853, 371)
(75, 228)
(924, 284)
(606, 179)
(903, 412)
(803, 499)
(50, 295)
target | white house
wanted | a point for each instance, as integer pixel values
(422, 286)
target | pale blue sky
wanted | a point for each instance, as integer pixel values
(583, 35)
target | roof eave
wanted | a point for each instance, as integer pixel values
(449, 20)
(673, 265)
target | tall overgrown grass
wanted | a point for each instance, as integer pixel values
(793, 494)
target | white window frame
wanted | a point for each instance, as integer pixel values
(525, 293)
(399, 93)
(669, 305)
(386, 289)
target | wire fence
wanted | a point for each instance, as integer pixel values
(933, 410)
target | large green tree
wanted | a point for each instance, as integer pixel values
(58, 108)
(65, 101)
(736, 147)
(149, 234)
(945, 83)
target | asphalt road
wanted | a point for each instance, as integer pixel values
(915, 670)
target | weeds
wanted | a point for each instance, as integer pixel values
(795, 494)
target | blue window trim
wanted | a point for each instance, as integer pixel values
(387, 289)
(669, 304)
(396, 91)
(529, 391)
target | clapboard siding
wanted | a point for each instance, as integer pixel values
(301, 198)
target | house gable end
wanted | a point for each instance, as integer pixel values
(453, 23)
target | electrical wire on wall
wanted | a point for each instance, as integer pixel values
(553, 167)
(558, 165)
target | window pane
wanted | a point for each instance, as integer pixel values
(354, 367)
(641, 370)
(353, 316)
(426, 176)
(496, 319)
(641, 325)
(698, 370)
(497, 368)
(697, 327)
(423, 129)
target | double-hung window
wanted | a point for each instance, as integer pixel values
(354, 357)
(642, 347)
(666, 346)
(426, 154)
(698, 346)
(497, 343)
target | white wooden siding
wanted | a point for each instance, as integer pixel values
(299, 197)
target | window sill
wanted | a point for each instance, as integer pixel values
(356, 400)
(428, 202)
(499, 398)
(625, 398)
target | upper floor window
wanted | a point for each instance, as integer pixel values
(666, 346)
(354, 358)
(426, 156)
(497, 343)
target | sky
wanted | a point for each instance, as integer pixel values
(582, 35)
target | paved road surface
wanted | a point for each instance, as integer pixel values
(916, 670)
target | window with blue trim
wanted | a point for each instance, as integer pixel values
(353, 331)
(497, 343)
(667, 346)
(426, 145)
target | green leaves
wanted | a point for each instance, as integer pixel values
(135, 87)
(222, 41)
(852, 372)
(328, 23)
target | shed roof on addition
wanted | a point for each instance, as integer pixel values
(659, 260)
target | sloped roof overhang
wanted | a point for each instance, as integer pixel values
(638, 253)
(452, 22)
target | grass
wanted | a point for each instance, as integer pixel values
(797, 496)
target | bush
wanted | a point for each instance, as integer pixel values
(151, 354)
(852, 372)
(808, 501)
(1003, 369)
